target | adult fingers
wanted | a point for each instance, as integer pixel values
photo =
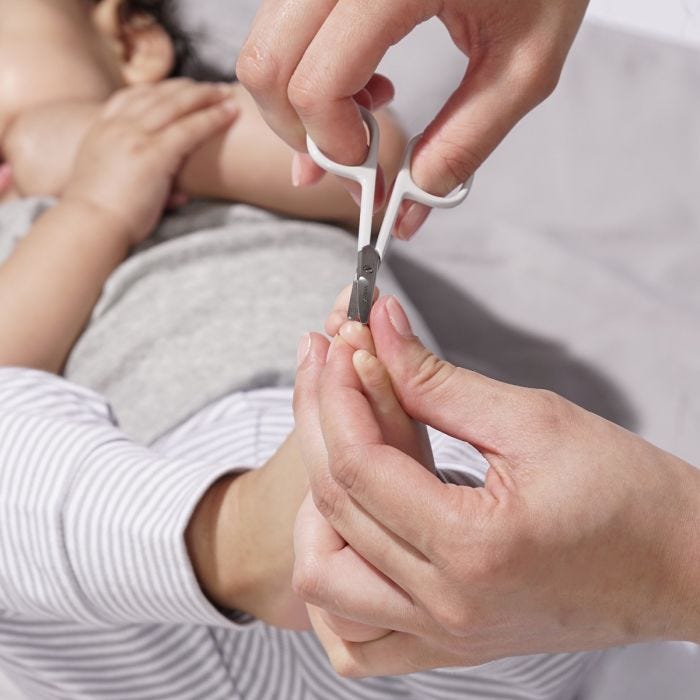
(342, 628)
(395, 654)
(503, 82)
(378, 93)
(490, 414)
(313, 349)
(329, 574)
(280, 35)
(339, 62)
(315, 543)
(389, 487)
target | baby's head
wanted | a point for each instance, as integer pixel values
(84, 49)
(55, 53)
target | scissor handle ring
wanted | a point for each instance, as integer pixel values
(358, 173)
(405, 184)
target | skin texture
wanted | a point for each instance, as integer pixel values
(87, 116)
(583, 536)
(306, 62)
(132, 153)
(59, 63)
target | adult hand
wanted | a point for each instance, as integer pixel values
(584, 535)
(398, 430)
(308, 63)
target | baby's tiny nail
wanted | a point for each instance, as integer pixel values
(362, 357)
(303, 348)
(350, 330)
(412, 220)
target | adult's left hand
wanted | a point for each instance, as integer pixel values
(579, 539)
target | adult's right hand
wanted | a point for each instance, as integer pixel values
(583, 536)
(308, 63)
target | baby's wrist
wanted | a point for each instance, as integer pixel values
(105, 222)
(215, 537)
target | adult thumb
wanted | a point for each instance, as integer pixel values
(457, 401)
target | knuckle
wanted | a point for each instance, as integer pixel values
(303, 92)
(551, 411)
(257, 68)
(433, 376)
(306, 579)
(452, 615)
(459, 160)
(347, 464)
(538, 71)
(328, 498)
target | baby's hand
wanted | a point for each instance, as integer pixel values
(128, 161)
(399, 429)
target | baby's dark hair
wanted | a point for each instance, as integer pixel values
(187, 61)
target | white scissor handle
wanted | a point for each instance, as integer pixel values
(406, 188)
(365, 174)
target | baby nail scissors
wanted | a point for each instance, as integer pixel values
(369, 257)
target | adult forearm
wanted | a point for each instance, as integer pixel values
(51, 282)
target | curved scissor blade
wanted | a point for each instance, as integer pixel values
(362, 296)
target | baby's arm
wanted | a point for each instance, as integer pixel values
(252, 164)
(122, 178)
(248, 164)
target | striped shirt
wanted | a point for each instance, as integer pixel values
(98, 598)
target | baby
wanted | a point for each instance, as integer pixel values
(131, 571)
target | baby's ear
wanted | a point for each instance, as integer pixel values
(146, 51)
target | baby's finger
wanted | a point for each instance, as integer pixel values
(122, 100)
(159, 111)
(398, 428)
(357, 336)
(136, 101)
(339, 315)
(187, 133)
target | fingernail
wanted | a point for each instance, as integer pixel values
(350, 331)
(303, 348)
(362, 357)
(296, 170)
(398, 317)
(412, 220)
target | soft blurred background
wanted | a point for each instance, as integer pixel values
(575, 264)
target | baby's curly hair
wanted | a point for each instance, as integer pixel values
(187, 62)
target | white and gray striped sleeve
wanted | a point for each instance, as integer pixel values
(91, 524)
